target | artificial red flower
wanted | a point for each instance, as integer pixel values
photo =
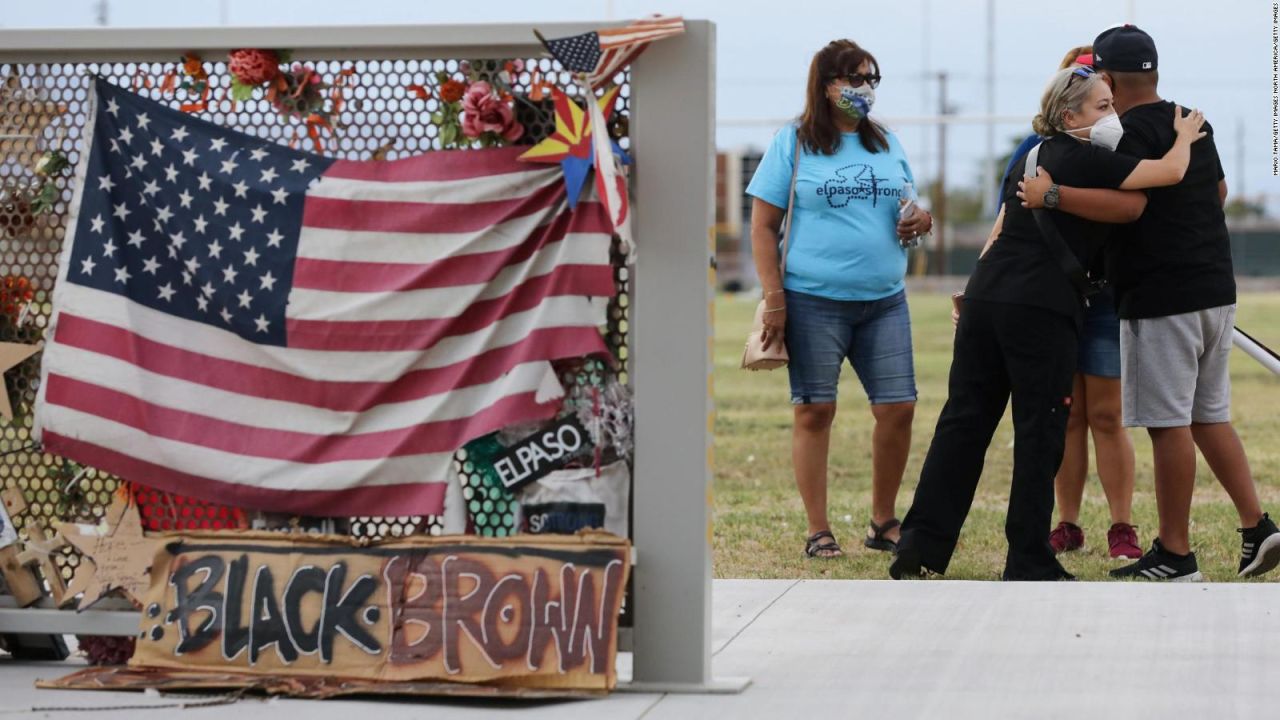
(452, 91)
(15, 292)
(253, 66)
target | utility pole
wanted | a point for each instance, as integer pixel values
(103, 9)
(988, 164)
(940, 187)
(1240, 169)
(924, 87)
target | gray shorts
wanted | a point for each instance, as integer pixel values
(1174, 369)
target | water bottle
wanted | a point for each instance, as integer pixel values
(907, 208)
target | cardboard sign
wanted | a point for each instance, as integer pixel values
(165, 680)
(540, 453)
(521, 612)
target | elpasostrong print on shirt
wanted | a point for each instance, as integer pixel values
(857, 182)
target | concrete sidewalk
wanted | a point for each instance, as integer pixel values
(846, 649)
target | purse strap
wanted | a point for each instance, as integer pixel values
(1057, 244)
(791, 203)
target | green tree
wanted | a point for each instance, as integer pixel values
(1240, 209)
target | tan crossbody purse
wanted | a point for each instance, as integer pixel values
(754, 356)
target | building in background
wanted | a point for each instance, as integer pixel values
(734, 169)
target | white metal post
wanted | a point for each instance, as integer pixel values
(673, 133)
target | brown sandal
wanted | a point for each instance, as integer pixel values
(812, 548)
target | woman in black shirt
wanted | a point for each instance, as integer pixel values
(1017, 336)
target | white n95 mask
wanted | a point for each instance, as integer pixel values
(1106, 132)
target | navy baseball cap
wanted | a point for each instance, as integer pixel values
(1125, 48)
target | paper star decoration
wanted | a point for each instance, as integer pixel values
(116, 555)
(570, 144)
(12, 355)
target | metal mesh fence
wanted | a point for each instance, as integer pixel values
(43, 108)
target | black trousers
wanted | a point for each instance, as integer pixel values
(1001, 350)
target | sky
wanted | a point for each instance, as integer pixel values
(1215, 56)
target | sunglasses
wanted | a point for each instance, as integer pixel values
(856, 79)
(1083, 72)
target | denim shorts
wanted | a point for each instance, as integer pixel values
(1100, 338)
(874, 335)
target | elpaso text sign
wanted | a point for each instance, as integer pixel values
(540, 453)
(532, 612)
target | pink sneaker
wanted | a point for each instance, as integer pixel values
(1123, 539)
(1066, 538)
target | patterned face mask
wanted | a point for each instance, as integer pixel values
(856, 102)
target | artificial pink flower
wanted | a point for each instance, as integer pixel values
(484, 112)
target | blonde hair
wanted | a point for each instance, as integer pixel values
(1074, 54)
(1060, 95)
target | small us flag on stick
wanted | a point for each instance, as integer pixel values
(602, 54)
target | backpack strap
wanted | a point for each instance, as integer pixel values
(1058, 247)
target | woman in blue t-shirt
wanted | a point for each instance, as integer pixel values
(842, 294)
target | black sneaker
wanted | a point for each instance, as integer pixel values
(1160, 564)
(1259, 548)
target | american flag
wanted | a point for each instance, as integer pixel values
(249, 324)
(602, 54)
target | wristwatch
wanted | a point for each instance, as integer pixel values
(1051, 197)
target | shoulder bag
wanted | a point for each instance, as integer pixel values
(754, 355)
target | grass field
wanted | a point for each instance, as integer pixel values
(759, 520)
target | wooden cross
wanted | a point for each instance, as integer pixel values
(22, 583)
(40, 548)
(23, 125)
